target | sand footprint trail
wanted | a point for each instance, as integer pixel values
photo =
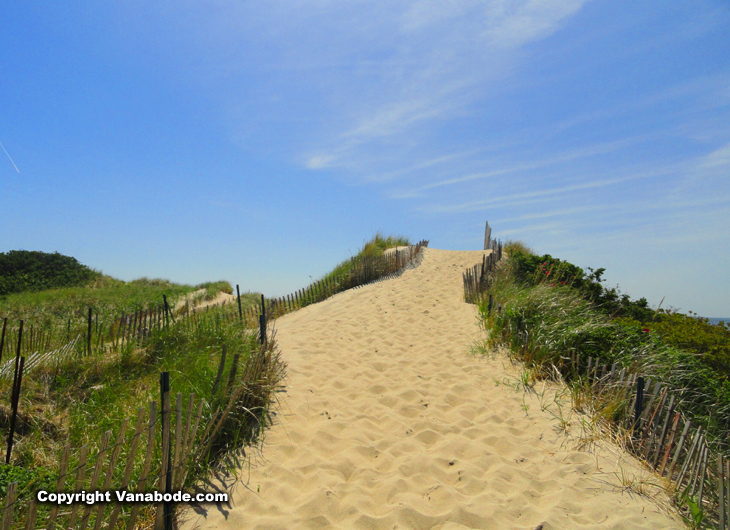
(388, 423)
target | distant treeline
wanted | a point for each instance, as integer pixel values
(27, 270)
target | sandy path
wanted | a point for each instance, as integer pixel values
(389, 423)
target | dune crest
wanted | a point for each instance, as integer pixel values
(389, 423)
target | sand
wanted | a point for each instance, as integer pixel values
(389, 422)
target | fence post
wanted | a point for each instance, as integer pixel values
(10, 497)
(240, 311)
(167, 511)
(13, 418)
(639, 403)
(2, 340)
(262, 321)
(88, 335)
(721, 491)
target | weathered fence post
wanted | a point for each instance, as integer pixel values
(262, 321)
(14, 404)
(167, 511)
(88, 334)
(639, 402)
(721, 491)
(240, 311)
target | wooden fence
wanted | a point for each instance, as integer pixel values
(166, 445)
(361, 271)
(476, 278)
(661, 435)
(37, 358)
(162, 450)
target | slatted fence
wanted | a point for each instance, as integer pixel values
(160, 452)
(661, 435)
(167, 444)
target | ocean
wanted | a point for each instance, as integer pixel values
(718, 320)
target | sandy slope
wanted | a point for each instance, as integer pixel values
(389, 423)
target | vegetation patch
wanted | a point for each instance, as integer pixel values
(370, 250)
(552, 311)
(25, 270)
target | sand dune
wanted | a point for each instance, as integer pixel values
(389, 423)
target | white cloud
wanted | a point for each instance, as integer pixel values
(320, 162)
(720, 158)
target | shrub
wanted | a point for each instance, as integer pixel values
(23, 270)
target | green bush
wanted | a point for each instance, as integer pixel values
(29, 479)
(534, 269)
(23, 270)
(709, 343)
(544, 323)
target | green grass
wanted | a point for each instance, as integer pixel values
(562, 317)
(370, 249)
(23, 270)
(83, 396)
(61, 314)
(78, 400)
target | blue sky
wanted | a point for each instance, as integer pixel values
(263, 142)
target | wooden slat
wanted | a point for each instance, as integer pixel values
(701, 476)
(181, 461)
(631, 389)
(695, 471)
(727, 492)
(689, 457)
(164, 468)
(660, 441)
(10, 497)
(129, 466)
(79, 486)
(32, 515)
(194, 430)
(95, 476)
(668, 450)
(109, 473)
(649, 406)
(721, 491)
(59, 486)
(678, 451)
(178, 438)
(653, 426)
(142, 483)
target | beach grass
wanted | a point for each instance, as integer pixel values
(373, 248)
(546, 319)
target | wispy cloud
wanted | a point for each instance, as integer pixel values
(542, 194)
(11, 160)
(442, 58)
(718, 159)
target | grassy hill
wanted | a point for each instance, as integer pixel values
(25, 270)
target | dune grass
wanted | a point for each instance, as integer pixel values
(370, 249)
(545, 320)
(75, 401)
(78, 400)
(62, 314)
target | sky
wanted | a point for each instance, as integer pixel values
(265, 142)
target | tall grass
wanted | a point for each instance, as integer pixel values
(370, 249)
(63, 313)
(546, 324)
(77, 401)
